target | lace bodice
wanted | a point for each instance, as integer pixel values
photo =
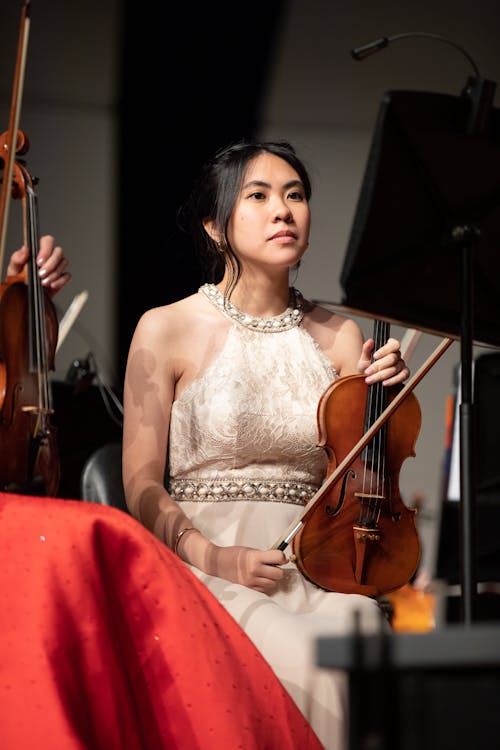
(244, 431)
(250, 419)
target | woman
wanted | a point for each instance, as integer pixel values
(221, 390)
(103, 630)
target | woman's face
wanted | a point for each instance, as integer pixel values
(270, 220)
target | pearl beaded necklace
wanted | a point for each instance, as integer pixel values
(290, 318)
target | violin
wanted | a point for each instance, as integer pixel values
(362, 538)
(29, 460)
(356, 535)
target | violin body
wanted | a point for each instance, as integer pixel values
(29, 459)
(361, 537)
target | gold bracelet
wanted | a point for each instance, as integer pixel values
(180, 534)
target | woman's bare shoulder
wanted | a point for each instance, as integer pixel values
(181, 329)
(174, 317)
(338, 336)
(329, 321)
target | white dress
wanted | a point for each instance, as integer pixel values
(243, 460)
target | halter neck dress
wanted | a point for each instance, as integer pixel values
(243, 461)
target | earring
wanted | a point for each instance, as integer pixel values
(221, 245)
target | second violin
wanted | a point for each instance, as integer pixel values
(29, 461)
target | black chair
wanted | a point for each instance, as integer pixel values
(101, 477)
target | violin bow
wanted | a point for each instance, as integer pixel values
(15, 112)
(293, 529)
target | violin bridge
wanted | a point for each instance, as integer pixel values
(369, 496)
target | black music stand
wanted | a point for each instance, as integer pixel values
(424, 249)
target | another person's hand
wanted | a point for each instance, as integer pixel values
(51, 261)
(388, 366)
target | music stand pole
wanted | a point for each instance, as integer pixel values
(479, 92)
(467, 235)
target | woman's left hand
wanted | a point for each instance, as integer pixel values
(51, 261)
(388, 366)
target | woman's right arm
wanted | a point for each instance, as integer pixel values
(149, 390)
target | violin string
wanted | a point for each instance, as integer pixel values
(377, 453)
(28, 241)
(38, 307)
(34, 317)
(382, 433)
(368, 457)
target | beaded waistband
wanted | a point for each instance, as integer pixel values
(221, 490)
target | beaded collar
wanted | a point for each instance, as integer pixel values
(290, 318)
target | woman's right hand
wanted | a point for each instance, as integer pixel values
(258, 569)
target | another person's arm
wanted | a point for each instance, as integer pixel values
(51, 261)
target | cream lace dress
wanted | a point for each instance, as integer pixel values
(243, 460)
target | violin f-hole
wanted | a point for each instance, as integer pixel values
(331, 512)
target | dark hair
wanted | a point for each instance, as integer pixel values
(215, 193)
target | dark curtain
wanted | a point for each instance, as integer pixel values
(192, 81)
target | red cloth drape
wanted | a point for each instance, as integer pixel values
(109, 642)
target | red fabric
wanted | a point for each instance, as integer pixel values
(108, 641)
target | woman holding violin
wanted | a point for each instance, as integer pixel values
(48, 612)
(221, 395)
